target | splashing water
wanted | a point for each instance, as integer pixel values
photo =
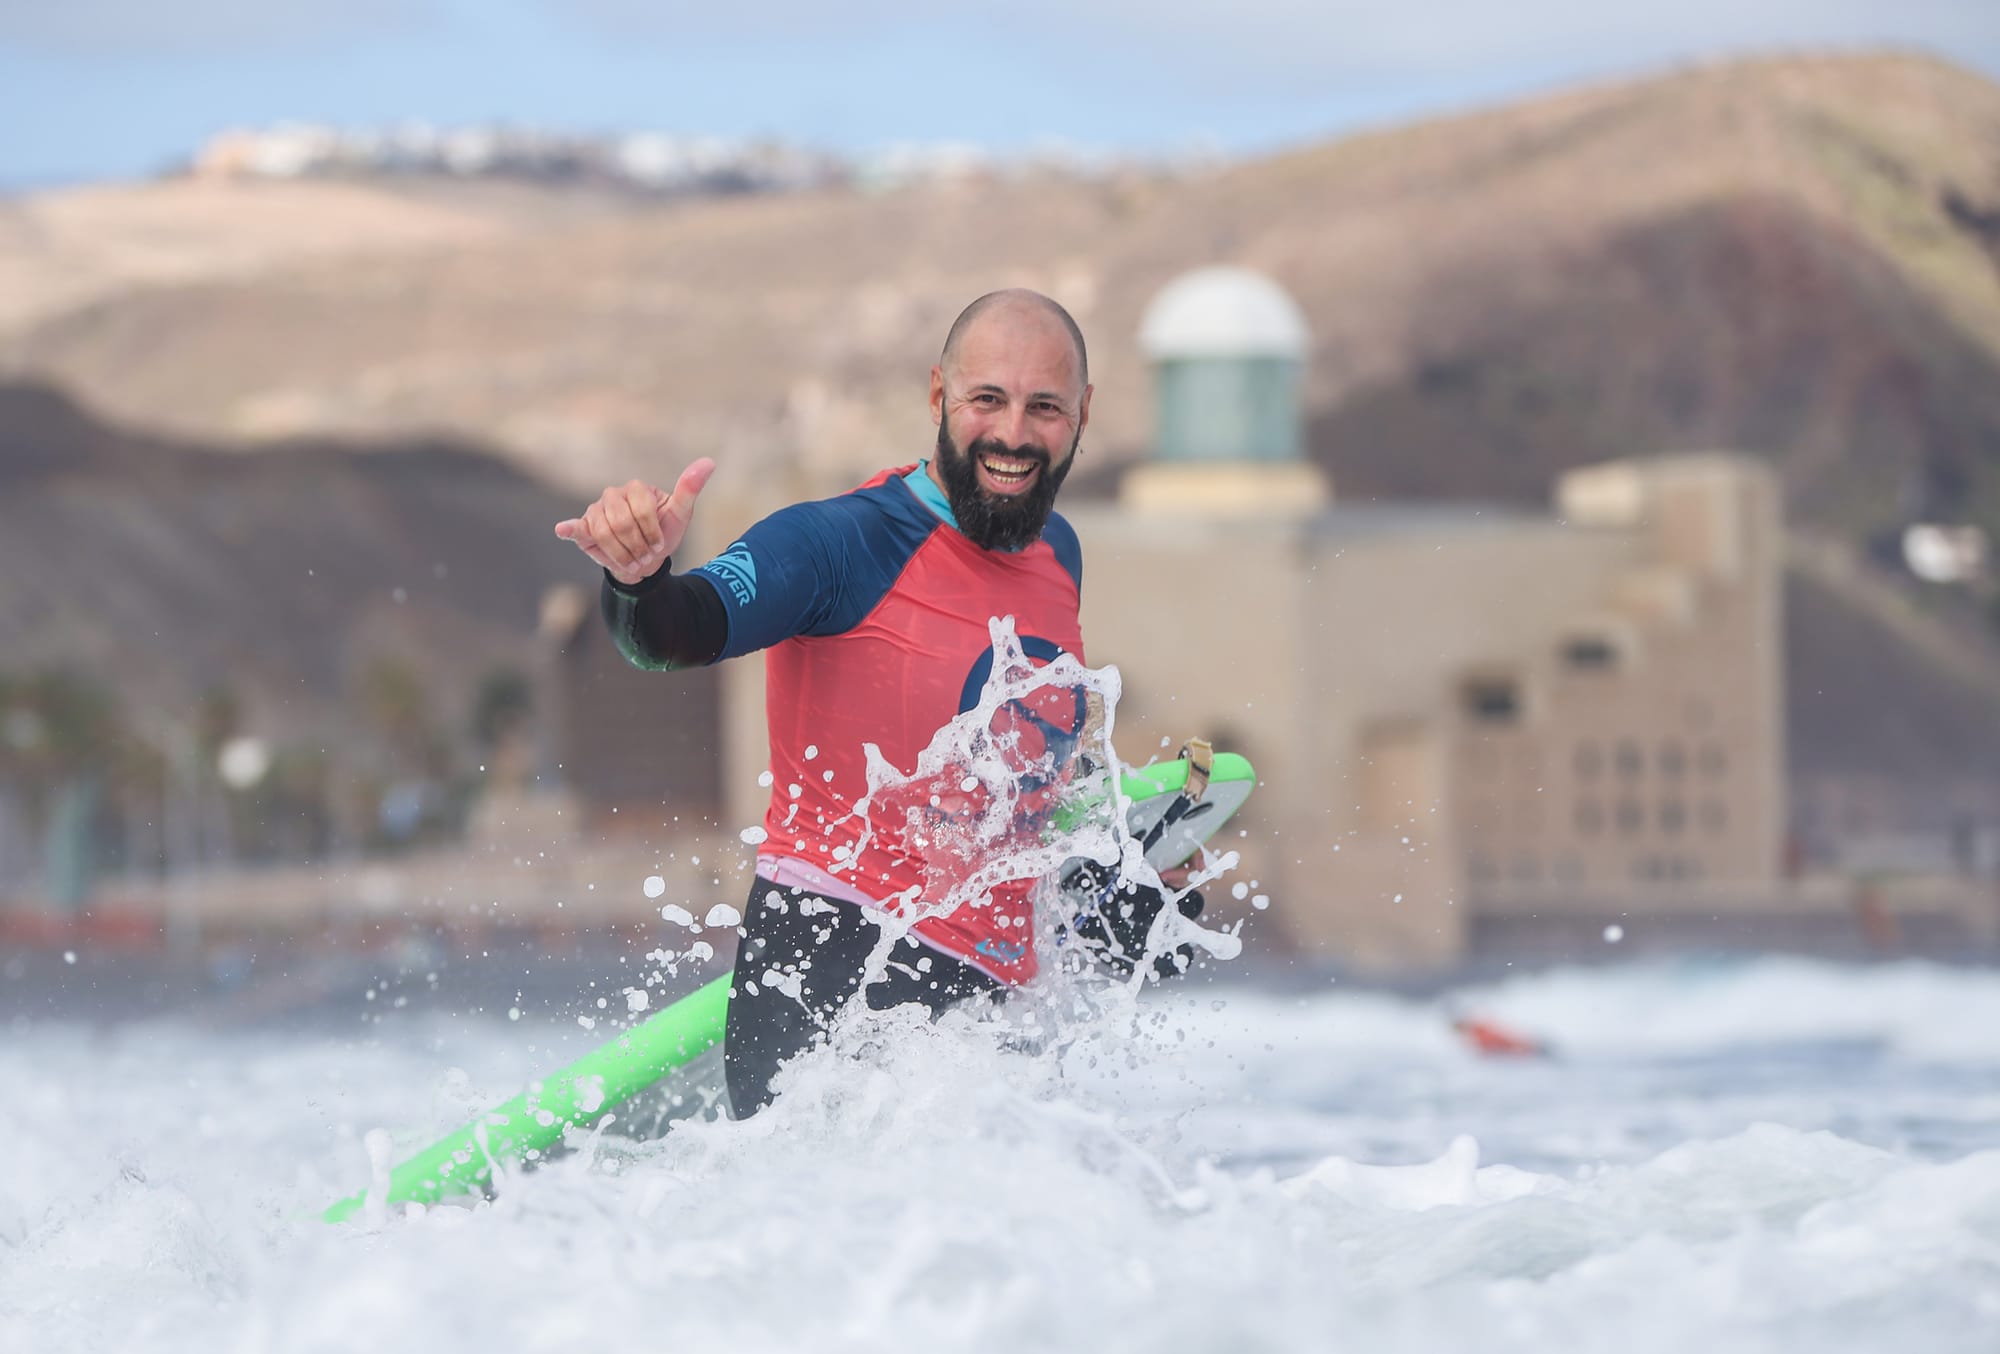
(1004, 797)
(1783, 1156)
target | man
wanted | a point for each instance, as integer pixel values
(874, 606)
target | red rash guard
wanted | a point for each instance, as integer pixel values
(876, 611)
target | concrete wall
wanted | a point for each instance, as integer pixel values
(1454, 707)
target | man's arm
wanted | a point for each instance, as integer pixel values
(666, 622)
(657, 620)
(793, 573)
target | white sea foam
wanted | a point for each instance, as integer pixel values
(1165, 1175)
(1697, 1004)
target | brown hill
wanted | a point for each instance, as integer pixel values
(167, 570)
(1796, 256)
(63, 249)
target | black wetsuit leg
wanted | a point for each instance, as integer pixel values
(826, 945)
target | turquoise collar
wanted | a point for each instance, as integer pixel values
(927, 492)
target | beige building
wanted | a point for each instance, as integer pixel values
(1471, 724)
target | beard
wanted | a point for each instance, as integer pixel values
(992, 521)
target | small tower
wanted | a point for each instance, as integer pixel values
(1227, 349)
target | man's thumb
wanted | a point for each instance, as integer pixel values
(692, 481)
(675, 509)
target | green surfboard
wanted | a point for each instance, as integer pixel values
(605, 1077)
(463, 1161)
(1173, 827)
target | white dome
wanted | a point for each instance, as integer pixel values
(1223, 312)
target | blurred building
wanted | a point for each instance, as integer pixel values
(1473, 725)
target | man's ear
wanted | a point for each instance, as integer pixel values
(1083, 411)
(937, 396)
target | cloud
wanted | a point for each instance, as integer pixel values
(88, 27)
(1342, 38)
(1243, 40)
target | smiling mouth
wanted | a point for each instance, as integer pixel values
(1010, 473)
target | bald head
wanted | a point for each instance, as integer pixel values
(1010, 396)
(1019, 306)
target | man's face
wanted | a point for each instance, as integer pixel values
(1010, 415)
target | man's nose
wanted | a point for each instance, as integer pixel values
(1013, 427)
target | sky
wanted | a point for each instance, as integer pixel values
(108, 89)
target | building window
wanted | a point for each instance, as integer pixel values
(1714, 816)
(1628, 759)
(1492, 700)
(1589, 653)
(1568, 870)
(1713, 760)
(1631, 818)
(1589, 760)
(1673, 817)
(1673, 759)
(1664, 869)
(1526, 869)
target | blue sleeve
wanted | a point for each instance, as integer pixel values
(1061, 537)
(813, 569)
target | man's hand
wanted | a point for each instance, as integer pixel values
(633, 528)
(1178, 877)
(1115, 921)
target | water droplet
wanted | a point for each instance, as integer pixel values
(655, 886)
